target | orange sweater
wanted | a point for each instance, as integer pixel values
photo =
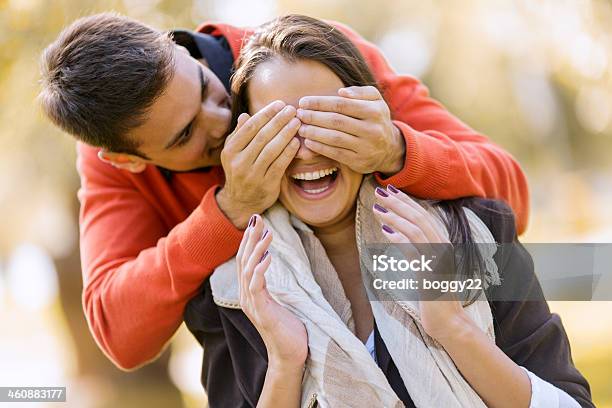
(148, 243)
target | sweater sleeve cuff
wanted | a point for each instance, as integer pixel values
(546, 395)
(209, 236)
(417, 176)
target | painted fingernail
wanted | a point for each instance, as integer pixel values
(381, 192)
(264, 235)
(380, 209)
(253, 220)
(264, 256)
(392, 189)
(388, 229)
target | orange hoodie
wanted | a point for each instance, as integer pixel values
(148, 243)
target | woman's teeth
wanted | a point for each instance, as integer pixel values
(316, 191)
(315, 182)
(314, 175)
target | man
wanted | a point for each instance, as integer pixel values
(158, 213)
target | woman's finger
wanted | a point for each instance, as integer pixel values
(239, 263)
(257, 286)
(256, 227)
(257, 254)
(411, 252)
(412, 211)
(394, 236)
(250, 240)
(245, 238)
(399, 224)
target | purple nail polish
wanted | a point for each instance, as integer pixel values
(381, 192)
(388, 229)
(392, 189)
(264, 235)
(252, 220)
(264, 256)
(380, 209)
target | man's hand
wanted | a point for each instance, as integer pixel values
(254, 158)
(353, 128)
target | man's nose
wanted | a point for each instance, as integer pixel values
(218, 122)
(304, 153)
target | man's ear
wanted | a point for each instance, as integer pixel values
(129, 162)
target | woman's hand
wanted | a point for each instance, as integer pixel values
(283, 333)
(404, 221)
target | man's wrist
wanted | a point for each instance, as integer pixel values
(398, 154)
(234, 213)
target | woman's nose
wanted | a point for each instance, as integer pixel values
(304, 153)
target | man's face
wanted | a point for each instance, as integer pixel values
(186, 126)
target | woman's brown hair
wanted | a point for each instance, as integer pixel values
(294, 37)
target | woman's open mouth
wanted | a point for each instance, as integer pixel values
(314, 185)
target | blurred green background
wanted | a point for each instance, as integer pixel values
(535, 76)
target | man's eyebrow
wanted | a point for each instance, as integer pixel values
(180, 135)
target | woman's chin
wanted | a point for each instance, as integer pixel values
(317, 217)
(316, 212)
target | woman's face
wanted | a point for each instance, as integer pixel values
(316, 189)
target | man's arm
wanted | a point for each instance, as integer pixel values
(445, 159)
(138, 274)
(139, 269)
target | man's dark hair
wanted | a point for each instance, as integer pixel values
(101, 76)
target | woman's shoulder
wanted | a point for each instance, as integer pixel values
(497, 216)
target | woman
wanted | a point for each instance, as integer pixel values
(310, 317)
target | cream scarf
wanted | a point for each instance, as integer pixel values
(339, 371)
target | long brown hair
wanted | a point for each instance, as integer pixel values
(296, 37)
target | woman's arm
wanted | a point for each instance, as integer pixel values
(283, 333)
(483, 364)
(282, 386)
(525, 329)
